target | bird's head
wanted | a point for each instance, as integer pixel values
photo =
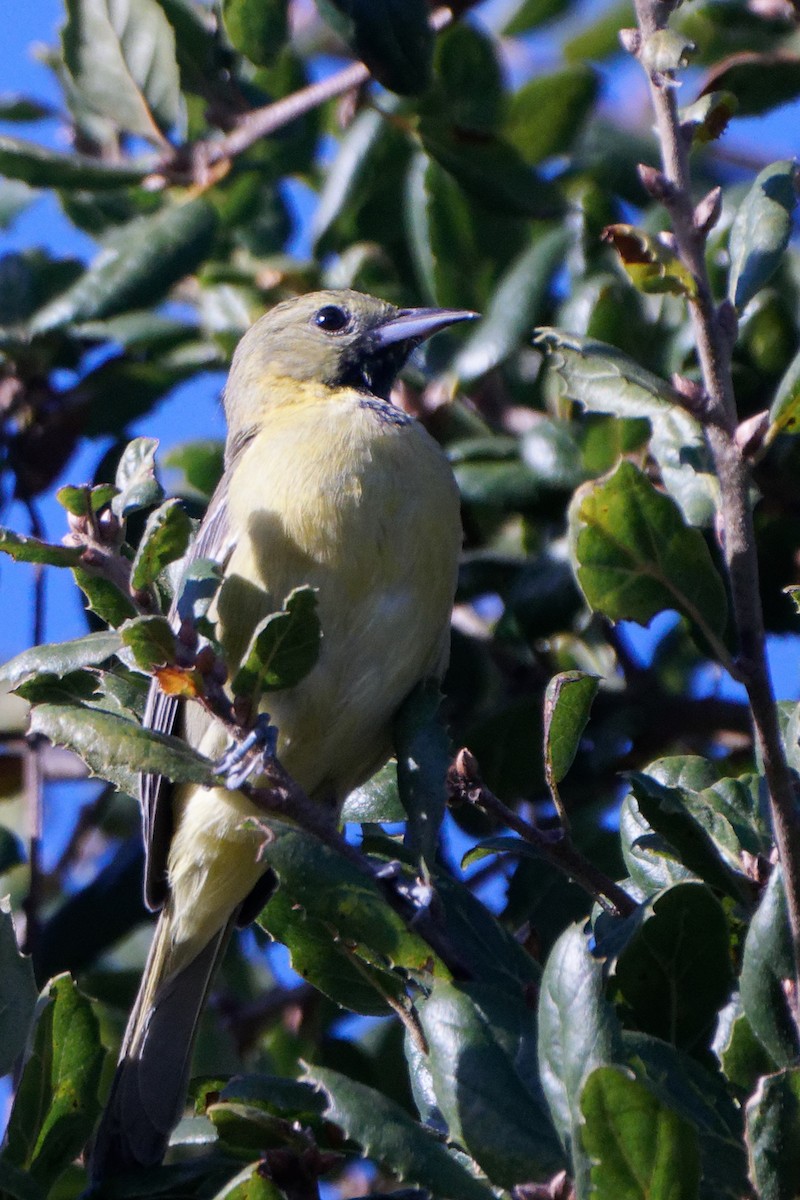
(335, 338)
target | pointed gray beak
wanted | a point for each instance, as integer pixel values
(416, 324)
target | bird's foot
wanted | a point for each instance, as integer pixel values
(252, 753)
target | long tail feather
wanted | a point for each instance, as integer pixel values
(149, 1087)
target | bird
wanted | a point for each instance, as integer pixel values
(327, 484)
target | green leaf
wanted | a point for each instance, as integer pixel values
(603, 379)
(761, 230)
(136, 477)
(701, 1096)
(257, 28)
(773, 1136)
(201, 463)
(284, 647)
(741, 1056)
(390, 1136)
(138, 266)
(41, 167)
(577, 1033)
(652, 862)
(652, 265)
(567, 704)
(31, 549)
(530, 13)
(423, 757)
(251, 1183)
(165, 540)
(59, 658)
(640, 1148)
(122, 62)
(118, 749)
(104, 598)
(150, 641)
(701, 837)
(469, 78)
(707, 119)
(18, 1184)
(17, 993)
(82, 500)
(482, 1058)
(516, 304)
(635, 557)
(56, 1103)
(377, 800)
(767, 964)
(16, 107)
(784, 413)
(546, 114)
(491, 170)
(760, 82)
(600, 38)
(674, 973)
(392, 37)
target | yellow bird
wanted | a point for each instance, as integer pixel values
(326, 483)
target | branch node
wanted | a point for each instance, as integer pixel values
(708, 212)
(656, 184)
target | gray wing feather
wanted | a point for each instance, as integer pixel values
(162, 711)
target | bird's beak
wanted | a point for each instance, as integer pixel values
(416, 324)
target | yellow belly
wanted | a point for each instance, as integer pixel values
(366, 511)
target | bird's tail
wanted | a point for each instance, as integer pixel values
(149, 1087)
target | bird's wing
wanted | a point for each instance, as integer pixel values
(161, 713)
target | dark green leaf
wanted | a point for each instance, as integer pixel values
(546, 114)
(121, 59)
(635, 556)
(251, 1183)
(760, 82)
(707, 119)
(31, 549)
(567, 704)
(675, 973)
(42, 167)
(118, 749)
(377, 800)
(423, 757)
(137, 268)
(165, 540)
(577, 1032)
(17, 993)
(600, 38)
(150, 640)
(515, 306)
(784, 413)
(284, 647)
(640, 1149)
(392, 37)
(761, 230)
(741, 1056)
(257, 28)
(136, 478)
(482, 1057)
(491, 170)
(470, 83)
(651, 263)
(773, 1136)
(135, 386)
(18, 1184)
(76, 687)
(16, 107)
(767, 964)
(56, 1103)
(59, 658)
(390, 1136)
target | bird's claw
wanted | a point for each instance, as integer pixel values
(243, 757)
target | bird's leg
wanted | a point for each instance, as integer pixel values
(246, 755)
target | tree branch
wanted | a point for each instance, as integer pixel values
(466, 785)
(715, 334)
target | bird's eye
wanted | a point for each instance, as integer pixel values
(331, 318)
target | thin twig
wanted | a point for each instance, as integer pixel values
(466, 785)
(33, 774)
(715, 330)
(196, 162)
